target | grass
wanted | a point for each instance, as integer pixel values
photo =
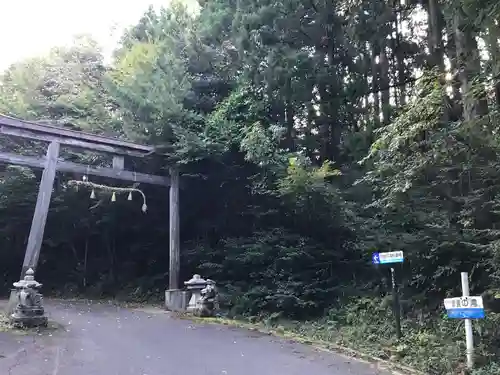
(6, 326)
(4, 323)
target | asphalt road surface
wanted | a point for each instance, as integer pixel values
(101, 339)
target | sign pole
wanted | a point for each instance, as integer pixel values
(395, 301)
(469, 341)
(466, 308)
(391, 258)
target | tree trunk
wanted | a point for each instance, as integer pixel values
(375, 86)
(289, 114)
(494, 52)
(436, 57)
(324, 125)
(308, 137)
(398, 51)
(329, 130)
(384, 82)
(451, 52)
(469, 67)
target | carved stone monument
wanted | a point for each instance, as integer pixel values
(29, 311)
(208, 300)
(203, 296)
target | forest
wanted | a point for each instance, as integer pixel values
(309, 134)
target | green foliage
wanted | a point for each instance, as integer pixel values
(268, 107)
(487, 370)
(433, 345)
(151, 84)
(295, 274)
(65, 85)
(428, 176)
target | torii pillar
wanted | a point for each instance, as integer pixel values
(175, 298)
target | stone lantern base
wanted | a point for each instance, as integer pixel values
(28, 318)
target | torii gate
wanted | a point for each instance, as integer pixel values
(51, 163)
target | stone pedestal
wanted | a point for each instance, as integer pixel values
(28, 310)
(29, 318)
(176, 300)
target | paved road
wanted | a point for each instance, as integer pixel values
(101, 339)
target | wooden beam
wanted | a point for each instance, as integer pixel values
(23, 133)
(51, 130)
(174, 248)
(35, 238)
(25, 161)
(66, 166)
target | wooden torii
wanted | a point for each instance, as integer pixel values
(51, 163)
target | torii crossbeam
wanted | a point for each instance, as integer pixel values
(51, 163)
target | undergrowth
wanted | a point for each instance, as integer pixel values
(4, 323)
(432, 344)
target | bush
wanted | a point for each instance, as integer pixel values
(435, 345)
(272, 272)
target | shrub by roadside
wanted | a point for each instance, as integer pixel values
(432, 344)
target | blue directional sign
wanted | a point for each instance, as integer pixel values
(464, 307)
(386, 258)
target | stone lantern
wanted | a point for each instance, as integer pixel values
(29, 311)
(203, 293)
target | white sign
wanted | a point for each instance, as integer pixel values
(464, 303)
(464, 307)
(391, 257)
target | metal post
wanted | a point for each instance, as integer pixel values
(395, 301)
(469, 341)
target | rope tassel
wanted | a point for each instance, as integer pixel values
(112, 189)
